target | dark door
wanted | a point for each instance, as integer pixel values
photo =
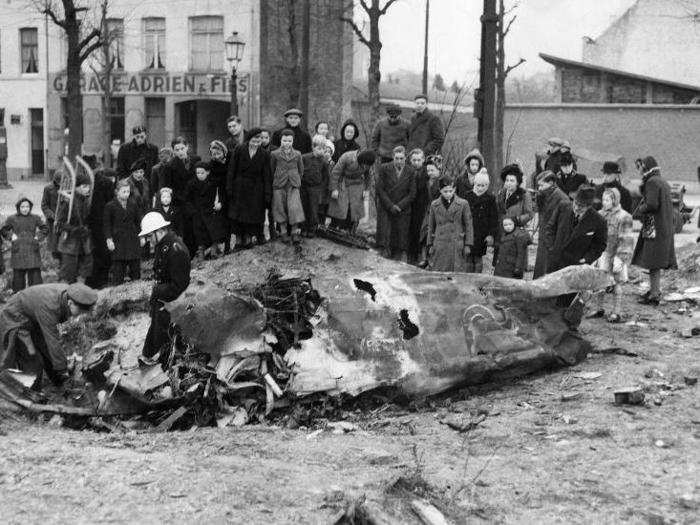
(155, 121)
(37, 140)
(187, 122)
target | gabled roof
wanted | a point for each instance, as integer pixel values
(558, 61)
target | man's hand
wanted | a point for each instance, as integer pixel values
(217, 206)
(395, 209)
(489, 240)
(335, 194)
(110, 245)
(466, 250)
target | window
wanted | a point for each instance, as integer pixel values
(154, 42)
(206, 43)
(115, 29)
(29, 42)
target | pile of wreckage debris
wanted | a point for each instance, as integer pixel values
(274, 349)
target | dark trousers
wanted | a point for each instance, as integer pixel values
(311, 202)
(25, 277)
(74, 266)
(157, 336)
(119, 269)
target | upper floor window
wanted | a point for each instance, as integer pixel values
(115, 30)
(154, 42)
(206, 43)
(29, 43)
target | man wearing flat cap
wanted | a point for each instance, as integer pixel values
(389, 132)
(29, 338)
(302, 139)
(138, 148)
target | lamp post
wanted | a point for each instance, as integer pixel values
(234, 54)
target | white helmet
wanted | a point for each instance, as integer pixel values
(151, 222)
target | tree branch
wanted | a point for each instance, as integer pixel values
(52, 15)
(356, 29)
(386, 7)
(86, 52)
(511, 68)
(510, 23)
(365, 6)
(95, 33)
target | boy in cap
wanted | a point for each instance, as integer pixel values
(74, 239)
(302, 139)
(138, 148)
(389, 132)
(287, 168)
(29, 338)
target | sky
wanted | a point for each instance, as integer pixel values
(550, 26)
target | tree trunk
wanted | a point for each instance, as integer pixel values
(500, 101)
(293, 87)
(304, 59)
(74, 100)
(374, 75)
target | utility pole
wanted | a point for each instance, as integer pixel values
(425, 49)
(304, 60)
(486, 96)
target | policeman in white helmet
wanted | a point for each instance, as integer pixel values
(171, 269)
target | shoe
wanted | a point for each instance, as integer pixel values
(652, 301)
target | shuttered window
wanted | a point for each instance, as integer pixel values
(29, 42)
(154, 42)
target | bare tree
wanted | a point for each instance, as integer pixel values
(83, 38)
(103, 68)
(374, 12)
(502, 71)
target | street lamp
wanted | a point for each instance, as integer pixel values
(234, 54)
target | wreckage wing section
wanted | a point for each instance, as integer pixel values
(425, 332)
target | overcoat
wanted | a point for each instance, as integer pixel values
(74, 235)
(657, 253)
(449, 231)
(512, 254)
(517, 205)
(130, 153)
(208, 224)
(341, 145)
(122, 225)
(248, 185)
(575, 240)
(426, 132)
(173, 215)
(49, 200)
(484, 220)
(393, 188)
(29, 229)
(548, 203)
(350, 179)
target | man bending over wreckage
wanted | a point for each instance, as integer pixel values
(171, 271)
(29, 328)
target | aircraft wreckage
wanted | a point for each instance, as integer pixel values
(251, 351)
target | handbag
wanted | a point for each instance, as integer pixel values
(649, 227)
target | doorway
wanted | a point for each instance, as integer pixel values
(200, 122)
(36, 118)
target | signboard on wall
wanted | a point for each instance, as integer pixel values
(148, 83)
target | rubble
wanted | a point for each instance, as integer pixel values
(270, 348)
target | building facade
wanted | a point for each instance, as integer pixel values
(169, 72)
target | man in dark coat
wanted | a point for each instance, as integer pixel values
(236, 134)
(611, 173)
(122, 218)
(171, 271)
(395, 187)
(551, 201)
(102, 193)
(426, 130)
(302, 139)
(29, 338)
(165, 155)
(654, 250)
(388, 133)
(49, 201)
(138, 148)
(579, 235)
(567, 179)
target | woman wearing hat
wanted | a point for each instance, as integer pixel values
(654, 250)
(29, 338)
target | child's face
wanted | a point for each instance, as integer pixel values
(164, 156)
(328, 154)
(83, 189)
(417, 161)
(474, 165)
(255, 141)
(166, 199)
(123, 193)
(293, 120)
(607, 202)
(265, 138)
(286, 142)
(217, 154)
(322, 129)
(511, 183)
(234, 128)
(566, 169)
(447, 192)
(432, 170)
(319, 151)
(24, 208)
(480, 186)
(180, 151)
(508, 225)
(202, 174)
(349, 133)
(138, 175)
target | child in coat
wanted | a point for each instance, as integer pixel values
(74, 239)
(121, 224)
(25, 230)
(485, 219)
(618, 253)
(512, 251)
(450, 233)
(202, 197)
(169, 211)
(287, 166)
(314, 183)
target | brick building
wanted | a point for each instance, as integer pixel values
(171, 74)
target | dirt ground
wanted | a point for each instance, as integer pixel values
(536, 458)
